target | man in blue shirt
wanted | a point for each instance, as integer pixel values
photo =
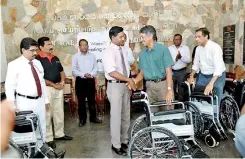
(155, 63)
(84, 68)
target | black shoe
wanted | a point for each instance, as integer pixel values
(52, 144)
(119, 151)
(64, 138)
(124, 147)
(96, 120)
(82, 123)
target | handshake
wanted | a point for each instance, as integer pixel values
(131, 83)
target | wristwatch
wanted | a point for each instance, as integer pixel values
(169, 88)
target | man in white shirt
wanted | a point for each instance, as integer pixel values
(209, 60)
(181, 57)
(116, 68)
(25, 84)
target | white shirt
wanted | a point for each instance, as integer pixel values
(184, 52)
(209, 59)
(84, 63)
(112, 61)
(20, 79)
(129, 54)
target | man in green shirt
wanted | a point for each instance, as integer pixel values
(155, 63)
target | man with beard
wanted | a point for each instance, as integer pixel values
(54, 77)
(25, 84)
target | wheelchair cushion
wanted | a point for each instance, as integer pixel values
(174, 121)
(168, 112)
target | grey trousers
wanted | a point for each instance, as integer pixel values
(119, 97)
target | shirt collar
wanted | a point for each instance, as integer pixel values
(207, 45)
(115, 46)
(42, 55)
(25, 59)
(153, 48)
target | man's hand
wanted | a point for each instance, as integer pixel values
(62, 83)
(131, 84)
(47, 106)
(208, 89)
(169, 97)
(191, 80)
(178, 56)
(7, 123)
(87, 75)
(58, 86)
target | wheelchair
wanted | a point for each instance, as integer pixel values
(205, 114)
(163, 134)
(231, 104)
(27, 137)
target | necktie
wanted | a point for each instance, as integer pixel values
(35, 75)
(123, 63)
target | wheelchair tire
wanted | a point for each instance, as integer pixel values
(197, 118)
(139, 124)
(210, 141)
(229, 112)
(142, 144)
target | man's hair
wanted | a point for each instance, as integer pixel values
(178, 35)
(82, 40)
(149, 30)
(26, 43)
(114, 31)
(204, 31)
(41, 41)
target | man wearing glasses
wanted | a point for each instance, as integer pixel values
(25, 84)
(181, 57)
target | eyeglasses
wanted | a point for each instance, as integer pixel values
(33, 50)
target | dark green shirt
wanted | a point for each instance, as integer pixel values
(154, 62)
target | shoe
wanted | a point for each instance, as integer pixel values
(119, 151)
(52, 144)
(124, 147)
(96, 120)
(64, 138)
(82, 123)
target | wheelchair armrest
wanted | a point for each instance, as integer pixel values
(18, 118)
(164, 103)
(24, 112)
(168, 112)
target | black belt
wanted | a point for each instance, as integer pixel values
(29, 97)
(157, 80)
(114, 81)
(182, 69)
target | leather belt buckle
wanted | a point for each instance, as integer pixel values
(157, 80)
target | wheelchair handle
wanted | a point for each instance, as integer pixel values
(24, 112)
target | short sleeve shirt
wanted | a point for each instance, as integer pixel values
(154, 62)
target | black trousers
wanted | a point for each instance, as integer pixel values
(85, 88)
(178, 78)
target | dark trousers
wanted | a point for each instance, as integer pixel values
(178, 78)
(85, 88)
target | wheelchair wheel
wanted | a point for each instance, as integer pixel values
(155, 142)
(198, 121)
(210, 141)
(229, 112)
(139, 124)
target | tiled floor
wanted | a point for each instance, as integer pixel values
(93, 141)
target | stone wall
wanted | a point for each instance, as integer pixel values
(61, 20)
